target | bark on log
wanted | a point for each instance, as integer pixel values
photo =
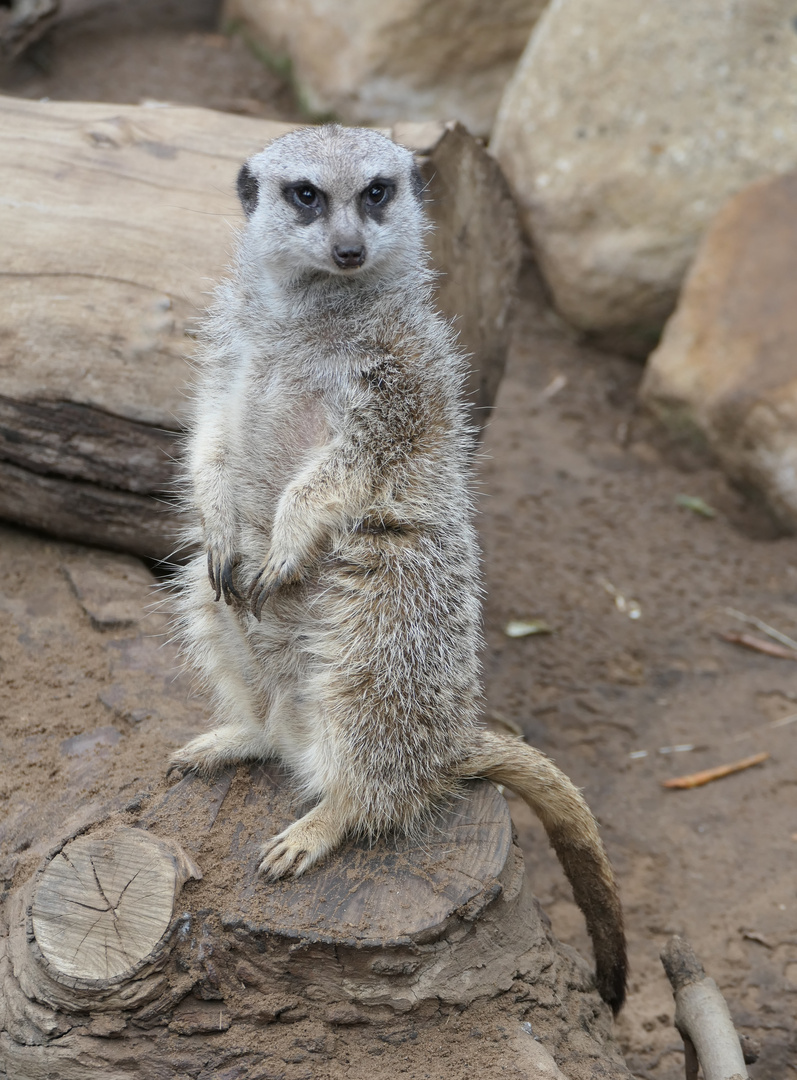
(116, 223)
(25, 23)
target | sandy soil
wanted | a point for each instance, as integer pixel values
(580, 495)
(578, 509)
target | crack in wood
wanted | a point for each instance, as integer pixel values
(84, 276)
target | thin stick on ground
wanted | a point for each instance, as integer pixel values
(750, 641)
(759, 624)
(697, 779)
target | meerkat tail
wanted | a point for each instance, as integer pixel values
(573, 833)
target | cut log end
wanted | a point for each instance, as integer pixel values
(102, 907)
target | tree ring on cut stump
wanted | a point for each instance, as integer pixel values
(103, 906)
(376, 895)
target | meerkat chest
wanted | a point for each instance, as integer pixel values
(284, 426)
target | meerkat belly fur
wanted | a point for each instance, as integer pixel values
(334, 612)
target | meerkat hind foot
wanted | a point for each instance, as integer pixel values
(303, 843)
(208, 753)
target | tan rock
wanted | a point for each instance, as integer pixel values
(626, 127)
(374, 63)
(726, 369)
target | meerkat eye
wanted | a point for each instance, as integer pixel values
(306, 195)
(377, 195)
(307, 199)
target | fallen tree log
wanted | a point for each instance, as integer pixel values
(117, 220)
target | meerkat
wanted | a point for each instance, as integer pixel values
(328, 483)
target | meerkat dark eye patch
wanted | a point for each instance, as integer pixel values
(376, 196)
(248, 189)
(307, 199)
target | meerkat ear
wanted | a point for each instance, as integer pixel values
(418, 183)
(248, 189)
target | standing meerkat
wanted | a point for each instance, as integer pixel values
(329, 488)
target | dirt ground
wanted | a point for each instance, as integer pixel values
(578, 518)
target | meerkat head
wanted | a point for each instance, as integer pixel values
(333, 202)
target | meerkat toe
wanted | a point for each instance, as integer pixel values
(278, 863)
(299, 847)
(305, 860)
(212, 751)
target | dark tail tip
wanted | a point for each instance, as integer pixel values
(612, 979)
(595, 892)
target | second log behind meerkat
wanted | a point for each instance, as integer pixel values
(329, 491)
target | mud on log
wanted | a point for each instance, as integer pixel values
(148, 945)
(116, 222)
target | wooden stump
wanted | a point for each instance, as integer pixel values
(430, 959)
(124, 957)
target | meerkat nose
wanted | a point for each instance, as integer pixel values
(348, 255)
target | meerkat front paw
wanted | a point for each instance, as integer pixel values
(279, 569)
(302, 844)
(221, 564)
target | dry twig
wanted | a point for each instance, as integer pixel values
(749, 641)
(707, 775)
(759, 624)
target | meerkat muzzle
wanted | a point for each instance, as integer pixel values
(348, 256)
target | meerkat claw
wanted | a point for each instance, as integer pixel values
(226, 583)
(213, 575)
(182, 769)
(283, 861)
(300, 846)
(258, 600)
(279, 858)
(267, 582)
(220, 573)
(220, 570)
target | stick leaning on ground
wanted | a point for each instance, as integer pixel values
(702, 1017)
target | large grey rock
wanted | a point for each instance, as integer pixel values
(379, 63)
(116, 222)
(726, 369)
(625, 128)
